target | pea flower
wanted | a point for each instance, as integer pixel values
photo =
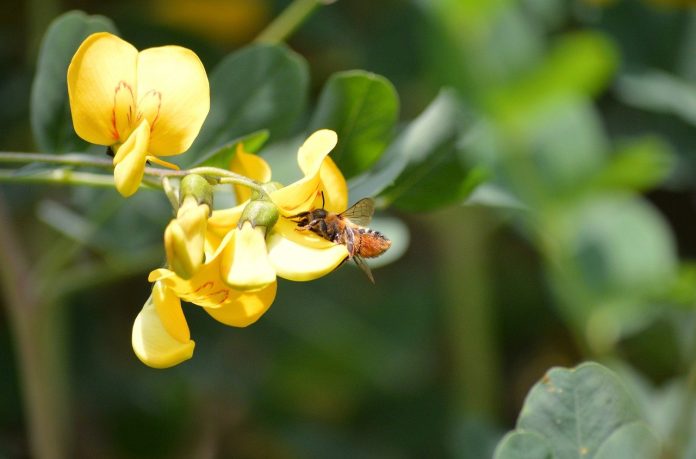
(284, 251)
(161, 336)
(143, 104)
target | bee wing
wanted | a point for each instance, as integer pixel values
(364, 267)
(361, 212)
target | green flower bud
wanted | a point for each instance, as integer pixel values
(260, 212)
(195, 186)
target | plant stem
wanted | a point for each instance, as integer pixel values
(37, 345)
(59, 177)
(289, 20)
(64, 176)
(71, 159)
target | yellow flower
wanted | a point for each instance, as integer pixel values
(288, 253)
(143, 104)
(161, 336)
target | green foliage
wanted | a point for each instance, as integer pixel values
(221, 158)
(50, 109)
(423, 169)
(584, 412)
(363, 109)
(258, 87)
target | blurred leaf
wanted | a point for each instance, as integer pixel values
(362, 108)
(638, 165)
(50, 108)
(661, 93)
(422, 168)
(493, 195)
(523, 445)
(567, 148)
(621, 247)
(258, 87)
(579, 64)
(584, 412)
(221, 158)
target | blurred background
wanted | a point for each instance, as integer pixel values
(579, 246)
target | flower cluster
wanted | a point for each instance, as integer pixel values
(152, 103)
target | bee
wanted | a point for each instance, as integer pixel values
(348, 228)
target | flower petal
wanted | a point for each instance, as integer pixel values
(172, 89)
(102, 62)
(244, 264)
(130, 160)
(220, 223)
(246, 307)
(249, 165)
(302, 255)
(171, 314)
(334, 187)
(152, 343)
(301, 195)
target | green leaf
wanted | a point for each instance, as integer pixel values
(580, 413)
(50, 108)
(523, 445)
(639, 165)
(363, 109)
(661, 93)
(258, 87)
(437, 173)
(632, 441)
(422, 168)
(221, 158)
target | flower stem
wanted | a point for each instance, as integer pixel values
(65, 176)
(289, 20)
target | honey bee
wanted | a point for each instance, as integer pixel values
(349, 228)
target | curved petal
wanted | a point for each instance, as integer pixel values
(220, 223)
(244, 264)
(249, 165)
(130, 160)
(184, 240)
(314, 150)
(101, 64)
(301, 195)
(173, 90)
(334, 187)
(246, 308)
(170, 313)
(152, 343)
(302, 255)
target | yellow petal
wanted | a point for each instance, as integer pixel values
(246, 308)
(251, 166)
(153, 345)
(313, 151)
(334, 187)
(169, 311)
(174, 78)
(301, 195)
(130, 160)
(302, 255)
(220, 223)
(207, 288)
(245, 264)
(101, 63)
(184, 240)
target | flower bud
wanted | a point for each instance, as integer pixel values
(195, 186)
(260, 212)
(184, 238)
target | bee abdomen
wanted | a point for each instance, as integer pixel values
(372, 243)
